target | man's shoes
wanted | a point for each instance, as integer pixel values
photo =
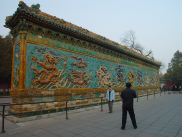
(135, 127)
(122, 128)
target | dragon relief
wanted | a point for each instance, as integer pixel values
(79, 77)
(103, 76)
(147, 80)
(120, 75)
(131, 77)
(154, 80)
(139, 78)
(80, 63)
(47, 75)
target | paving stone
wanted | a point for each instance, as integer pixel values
(160, 116)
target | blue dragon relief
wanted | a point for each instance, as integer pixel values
(120, 75)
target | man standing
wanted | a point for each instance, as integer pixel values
(127, 96)
(110, 96)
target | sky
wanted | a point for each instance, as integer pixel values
(157, 23)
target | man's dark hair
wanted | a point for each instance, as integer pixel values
(128, 84)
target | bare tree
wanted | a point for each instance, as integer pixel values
(138, 48)
(129, 39)
(149, 53)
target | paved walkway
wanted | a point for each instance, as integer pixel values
(158, 117)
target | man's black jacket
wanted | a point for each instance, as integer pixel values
(127, 96)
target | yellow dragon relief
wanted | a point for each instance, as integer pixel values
(103, 76)
(49, 73)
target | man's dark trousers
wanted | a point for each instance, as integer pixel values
(110, 104)
(131, 113)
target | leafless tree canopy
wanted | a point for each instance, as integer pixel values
(129, 39)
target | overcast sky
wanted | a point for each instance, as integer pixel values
(156, 23)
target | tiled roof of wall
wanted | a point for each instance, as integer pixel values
(46, 20)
